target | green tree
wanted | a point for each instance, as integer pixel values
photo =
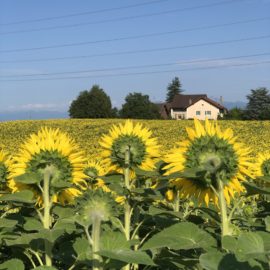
(139, 106)
(258, 107)
(94, 103)
(234, 114)
(173, 89)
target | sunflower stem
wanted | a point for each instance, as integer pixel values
(225, 226)
(176, 204)
(95, 240)
(127, 205)
(47, 213)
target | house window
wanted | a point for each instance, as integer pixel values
(207, 112)
(198, 113)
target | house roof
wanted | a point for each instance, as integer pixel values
(163, 109)
(184, 101)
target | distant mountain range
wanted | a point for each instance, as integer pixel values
(232, 104)
(31, 115)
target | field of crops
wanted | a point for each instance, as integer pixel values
(134, 195)
(256, 134)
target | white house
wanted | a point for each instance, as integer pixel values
(192, 106)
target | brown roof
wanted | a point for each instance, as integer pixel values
(163, 110)
(184, 101)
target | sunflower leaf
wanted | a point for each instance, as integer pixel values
(29, 178)
(128, 256)
(25, 196)
(253, 189)
(216, 260)
(183, 235)
(13, 264)
(249, 245)
(44, 268)
(112, 178)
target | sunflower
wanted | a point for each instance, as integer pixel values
(5, 163)
(262, 164)
(50, 147)
(94, 170)
(219, 157)
(144, 150)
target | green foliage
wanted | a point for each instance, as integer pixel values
(161, 235)
(258, 107)
(174, 88)
(13, 264)
(234, 114)
(139, 106)
(183, 235)
(94, 103)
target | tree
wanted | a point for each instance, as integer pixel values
(139, 106)
(234, 114)
(94, 103)
(173, 89)
(258, 107)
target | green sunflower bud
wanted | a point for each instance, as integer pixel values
(94, 205)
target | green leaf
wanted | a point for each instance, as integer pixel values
(67, 225)
(63, 211)
(249, 245)
(111, 178)
(183, 235)
(111, 241)
(266, 240)
(29, 178)
(60, 184)
(44, 268)
(32, 224)
(13, 264)
(229, 243)
(128, 256)
(140, 172)
(210, 212)
(82, 249)
(7, 223)
(25, 196)
(267, 223)
(253, 189)
(216, 260)
(211, 260)
(264, 178)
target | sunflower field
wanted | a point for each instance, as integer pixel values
(135, 195)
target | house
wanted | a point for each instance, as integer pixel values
(192, 106)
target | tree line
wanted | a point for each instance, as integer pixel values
(258, 107)
(95, 103)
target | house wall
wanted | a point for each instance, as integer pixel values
(178, 114)
(202, 106)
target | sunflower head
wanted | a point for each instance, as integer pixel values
(262, 164)
(94, 204)
(216, 156)
(94, 170)
(143, 149)
(49, 148)
(5, 163)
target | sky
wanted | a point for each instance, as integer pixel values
(215, 47)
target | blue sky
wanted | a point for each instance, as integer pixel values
(233, 82)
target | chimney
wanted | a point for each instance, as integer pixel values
(221, 100)
(190, 101)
